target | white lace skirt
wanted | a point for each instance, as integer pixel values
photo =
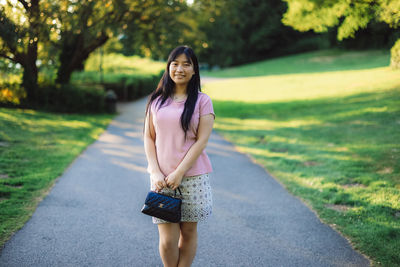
(197, 198)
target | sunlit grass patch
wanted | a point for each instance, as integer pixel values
(275, 88)
(118, 63)
(35, 148)
(331, 138)
(311, 62)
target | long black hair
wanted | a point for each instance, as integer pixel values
(165, 87)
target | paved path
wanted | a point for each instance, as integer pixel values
(92, 215)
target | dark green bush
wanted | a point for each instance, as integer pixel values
(131, 87)
(71, 98)
(85, 94)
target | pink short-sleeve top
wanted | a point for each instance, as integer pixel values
(171, 146)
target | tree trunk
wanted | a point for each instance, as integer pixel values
(25, 56)
(30, 79)
(30, 74)
(74, 53)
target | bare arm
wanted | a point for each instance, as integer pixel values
(205, 128)
(156, 176)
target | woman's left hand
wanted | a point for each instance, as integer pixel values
(174, 179)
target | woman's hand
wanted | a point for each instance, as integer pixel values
(157, 179)
(174, 179)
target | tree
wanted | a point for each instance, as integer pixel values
(348, 15)
(85, 26)
(20, 27)
(244, 31)
(71, 29)
(155, 27)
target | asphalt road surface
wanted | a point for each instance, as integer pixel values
(92, 215)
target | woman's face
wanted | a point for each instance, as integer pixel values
(181, 70)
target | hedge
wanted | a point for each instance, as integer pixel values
(85, 94)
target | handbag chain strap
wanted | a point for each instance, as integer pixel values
(179, 192)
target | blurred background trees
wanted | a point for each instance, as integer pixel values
(348, 17)
(46, 41)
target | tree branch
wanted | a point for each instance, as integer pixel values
(99, 41)
(7, 57)
(25, 4)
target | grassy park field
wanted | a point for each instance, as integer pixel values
(318, 108)
(326, 125)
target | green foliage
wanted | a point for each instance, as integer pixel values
(349, 16)
(61, 34)
(155, 27)
(245, 31)
(126, 86)
(389, 12)
(133, 86)
(70, 98)
(395, 55)
(129, 77)
(11, 94)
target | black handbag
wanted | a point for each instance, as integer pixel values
(164, 207)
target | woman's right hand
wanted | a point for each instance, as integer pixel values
(157, 179)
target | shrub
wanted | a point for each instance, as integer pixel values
(131, 87)
(395, 55)
(11, 94)
(71, 98)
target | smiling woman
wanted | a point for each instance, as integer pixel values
(181, 72)
(179, 121)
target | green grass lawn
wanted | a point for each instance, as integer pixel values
(310, 62)
(35, 149)
(117, 67)
(332, 138)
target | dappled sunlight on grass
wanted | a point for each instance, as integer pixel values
(303, 86)
(261, 124)
(71, 142)
(384, 195)
(363, 111)
(69, 124)
(310, 62)
(327, 127)
(337, 148)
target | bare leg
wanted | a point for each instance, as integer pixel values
(168, 246)
(187, 243)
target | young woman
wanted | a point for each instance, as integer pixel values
(179, 121)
